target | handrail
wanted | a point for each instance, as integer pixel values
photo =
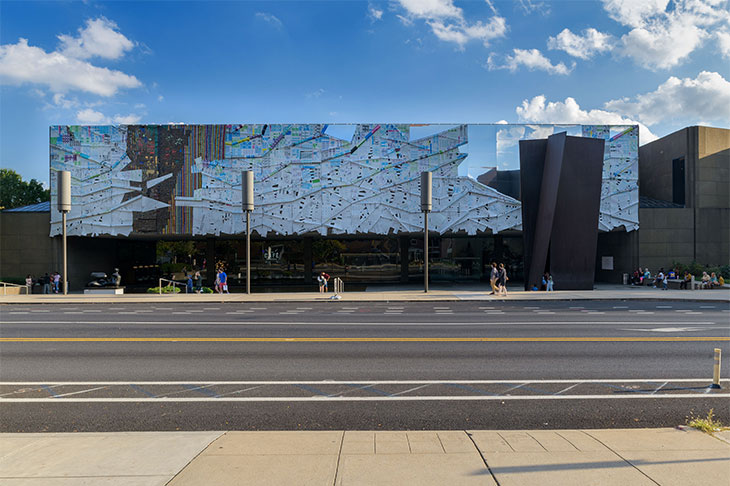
(173, 282)
(5, 285)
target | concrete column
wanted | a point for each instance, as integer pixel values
(403, 242)
(307, 247)
(210, 261)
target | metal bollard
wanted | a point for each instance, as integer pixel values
(716, 369)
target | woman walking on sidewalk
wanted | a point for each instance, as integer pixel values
(493, 278)
(502, 280)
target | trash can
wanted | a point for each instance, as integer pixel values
(626, 278)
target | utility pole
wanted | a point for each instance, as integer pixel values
(247, 201)
(64, 206)
(426, 182)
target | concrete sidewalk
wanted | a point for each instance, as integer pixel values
(389, 294)
(566, 457)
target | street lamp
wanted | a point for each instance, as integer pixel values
(247, 202)
(426, 181)
(64, 206)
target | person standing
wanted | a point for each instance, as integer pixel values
(550, 283)
(56, 282)
(198, 281)
(320, 281)
(189, 284)
(46, 283)
(502, 280)
(493, 277)
(29, 284)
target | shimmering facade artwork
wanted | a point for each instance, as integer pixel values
(309, 178)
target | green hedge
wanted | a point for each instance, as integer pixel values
(170, 289)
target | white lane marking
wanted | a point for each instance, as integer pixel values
(19, 312)
(24, 390)
(410, 390)
(356, 382)
(707, 307)
(304, 308)
(79, 392)
(664, 307)
(486, 307)
(318, 398)
(515, 387)
(240, 391)
(91, 310)
(185, 390)
(211, 308)
(372, 323)
(576, 307)
(568, 388)
(659, 387)
(593, 313)
(69, 312)
(620, 307)
(40, 311)
(533, 307)
(548, 312)
(259, 308)
(673, 329)
(442, 308)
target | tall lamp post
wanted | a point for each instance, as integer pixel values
(64, 206)
(247, 201)
(426, 181)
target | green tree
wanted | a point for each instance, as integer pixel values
(15, 192)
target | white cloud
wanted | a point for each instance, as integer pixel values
(269, 18)
(663, 34)
(88, 116)
(374, 13)
(502, 122)
(21, 63)
(662, 45)
(100, 37)
(538, 110)
(160, 98)
(583, 46)
(532, 59)
(706, 98)
(447, 21)
(632, 12)
(130, 119)
(723, 42)
(432, 9)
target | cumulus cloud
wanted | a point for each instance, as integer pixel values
(269, 18)
(22, 63)
(89, 116)
(447, 21)
(723, 42)
(539, 110)
(664, 34)
(99, 38)
(531, 59)
(706, 98)
(374, 13)
(584, 45)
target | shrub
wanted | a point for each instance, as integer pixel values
(170, 289)
(206, 290)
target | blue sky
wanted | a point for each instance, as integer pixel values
(660, 63)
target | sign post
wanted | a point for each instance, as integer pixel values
(426, 182)
(64, 206)
(247, 201)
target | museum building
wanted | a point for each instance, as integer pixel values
(161, 199)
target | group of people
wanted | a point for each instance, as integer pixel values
(662, 278)
(498, 279)
(49, 283)
(322, 280)
(221, 279)
(194, 282)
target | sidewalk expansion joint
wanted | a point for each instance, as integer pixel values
(339, 456)
(622, 458)
(484, 459)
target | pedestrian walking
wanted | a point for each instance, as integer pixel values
(198, 281)
(550, 283)
(189, 284)
(217, 283)
(29, 284)
(224, 281)
(46, 282)
(56, 282)
(502, 280)
(493, 277)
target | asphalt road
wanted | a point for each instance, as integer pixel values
(440, 365)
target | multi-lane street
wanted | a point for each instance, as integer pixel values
(335, 365)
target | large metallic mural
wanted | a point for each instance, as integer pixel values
(328, 179)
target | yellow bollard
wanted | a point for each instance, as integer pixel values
(716, 369)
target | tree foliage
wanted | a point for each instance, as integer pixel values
(15, 192)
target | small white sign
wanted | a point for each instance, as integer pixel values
(607, 263)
